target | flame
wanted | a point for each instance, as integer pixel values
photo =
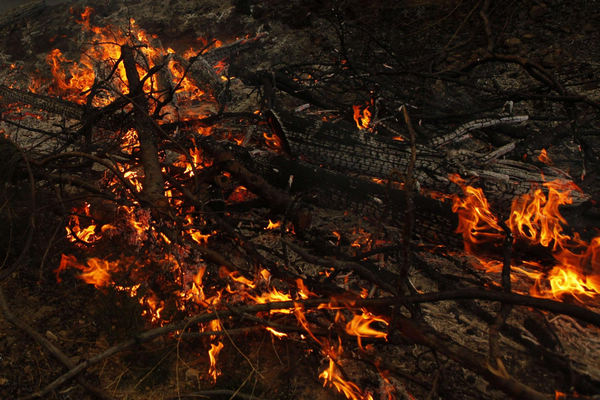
(273, 295)
(535, 219)
(276, 333)
(273, 225)
(197, 161)
(475, 218)
(199, 237)
(543, 157)
(237, 277)
(73, 79)
(360, 326)
(154, 307)
(362, 119)
(96, 271)
(213, 353)
(75, 232)
(303, 291)
(332, 375)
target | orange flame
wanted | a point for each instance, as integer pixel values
(213, 353)
(362, 119)
(333, 376)
(535, 219)
(276, 333)
(96, 272)
(273, 225)
(543, 157)
(360, 326)
(273, 295)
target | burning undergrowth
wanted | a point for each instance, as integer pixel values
(206, 248)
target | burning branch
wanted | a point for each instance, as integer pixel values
(153, 187)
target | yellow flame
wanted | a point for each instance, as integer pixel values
(535, 219)
(213, 353)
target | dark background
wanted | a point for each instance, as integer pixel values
(8, 4)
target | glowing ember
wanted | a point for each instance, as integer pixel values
(272, 141)
(276, 333)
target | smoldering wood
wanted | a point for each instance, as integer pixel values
(49, 104)
(323, 184)
(231, 50)
(153, 188)
(340, 147)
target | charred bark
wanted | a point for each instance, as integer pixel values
(153, 186)
(340, 147)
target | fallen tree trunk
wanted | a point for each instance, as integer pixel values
(338, 146)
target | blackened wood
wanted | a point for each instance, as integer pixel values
(53, 105)
(153, 183)
(341, 147)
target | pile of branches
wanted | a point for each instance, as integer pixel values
(300, 169)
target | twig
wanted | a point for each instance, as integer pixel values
(505, 309)
(409, 211)
(214, 392)
(512, 298)
(156, 332)
(361, 270)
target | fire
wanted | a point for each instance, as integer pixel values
(333, 376)
(75, 232)
(213, 353)
(272, 141)
(303, 291)
(535, 219)
(147, 263)
(273, 225)
(276, 333)
(271, 296)
(543, 157)
(360, 326)
(96, 271)
(237, 277)
(362, 119)
(476, 222)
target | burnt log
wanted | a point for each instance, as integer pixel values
(339, 146)
(49, 104)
